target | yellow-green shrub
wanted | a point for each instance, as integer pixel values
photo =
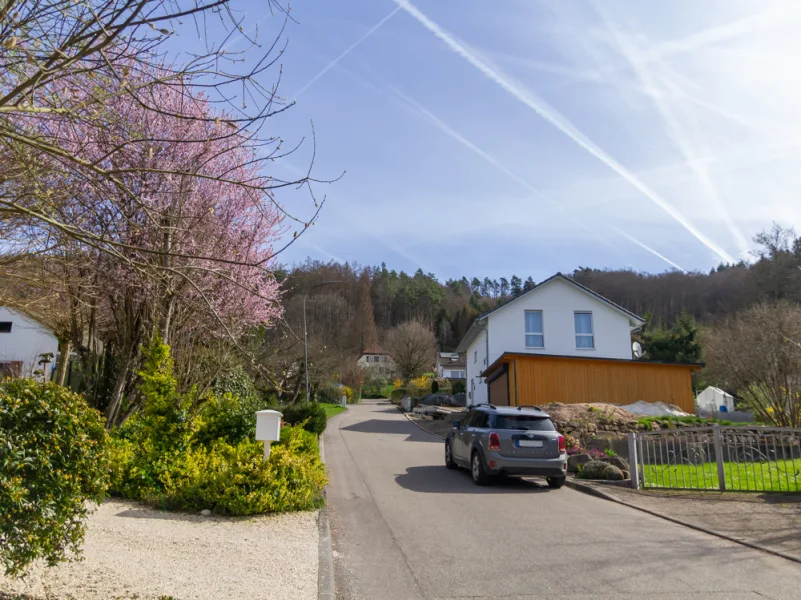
(225, 478)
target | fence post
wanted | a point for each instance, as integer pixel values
(718, 440)
(634, 462)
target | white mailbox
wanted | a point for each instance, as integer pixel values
(268, 428)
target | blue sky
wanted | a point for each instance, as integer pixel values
(532, 137)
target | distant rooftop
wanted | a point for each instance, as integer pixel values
(374, 348)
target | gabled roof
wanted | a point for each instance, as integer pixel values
(374, 348)
(480, 323)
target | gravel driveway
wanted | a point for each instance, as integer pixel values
(135, 552)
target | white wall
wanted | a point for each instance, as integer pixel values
(26, 341)
(558, 300)
(476, 389)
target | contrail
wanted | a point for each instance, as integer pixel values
(674, 128)
(347, 51)
(445, 128)
(562, 124)
(634, 240)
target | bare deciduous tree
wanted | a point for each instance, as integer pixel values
(412, 346)
(754, 353)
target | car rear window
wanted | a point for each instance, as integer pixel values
(527, 422)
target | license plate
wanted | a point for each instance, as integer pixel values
(529, 444)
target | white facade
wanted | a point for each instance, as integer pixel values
(557, 300)
(712, 398)
(26, 340)
(450, 365)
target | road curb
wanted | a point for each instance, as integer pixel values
(408, 418)
(592, 491)
(326, 586)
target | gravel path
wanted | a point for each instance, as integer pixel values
(133, 551)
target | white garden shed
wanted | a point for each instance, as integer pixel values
(712, 399)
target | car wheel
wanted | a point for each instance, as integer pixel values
(555, 482)
(480, 476)
(449, 457)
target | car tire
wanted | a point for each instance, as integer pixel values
(477, 469)
(449, 457)
(555, 482)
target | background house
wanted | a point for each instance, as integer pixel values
(22, 341)
(376, 359)
(562, 342)
(451, 365)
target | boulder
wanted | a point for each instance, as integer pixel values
(574, 461)
(626, 475)
(612, 473)
(593, 469)
(205, 512)
(620, 463)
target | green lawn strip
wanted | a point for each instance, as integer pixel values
(697, 421)
(778, 476)
(331, 409)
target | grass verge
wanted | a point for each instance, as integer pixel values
(331, 409)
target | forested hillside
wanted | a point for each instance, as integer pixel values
(368, 301)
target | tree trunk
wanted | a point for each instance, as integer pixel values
(64, 351)
(116, 397)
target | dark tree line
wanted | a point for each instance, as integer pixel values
(373, 300)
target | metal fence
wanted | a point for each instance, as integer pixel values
(743, 458)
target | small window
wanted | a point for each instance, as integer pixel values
(534, 333)
(475, 356)
(585, 340)
(481, 420)
(5, 326)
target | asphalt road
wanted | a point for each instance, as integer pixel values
(403, 527)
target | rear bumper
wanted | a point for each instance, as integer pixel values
(543, 467)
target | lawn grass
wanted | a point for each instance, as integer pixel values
(331, 409)
(699, 421)
(775, 476)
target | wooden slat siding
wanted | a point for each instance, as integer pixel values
(545, 379)
(513, 385)
(499, 391)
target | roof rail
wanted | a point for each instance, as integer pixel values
(492, 406)
(522, 406)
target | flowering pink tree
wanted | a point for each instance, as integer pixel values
(179, 239)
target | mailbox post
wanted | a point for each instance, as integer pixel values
(268, 428)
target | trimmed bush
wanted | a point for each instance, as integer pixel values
(53, 461)
(228, 417)
(308, 414)
(397, 394)
(230, 479)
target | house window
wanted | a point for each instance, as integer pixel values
(475, 356)
(5, 326)
(585, 340)
(534, 334)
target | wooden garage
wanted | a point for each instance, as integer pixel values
(535, 379)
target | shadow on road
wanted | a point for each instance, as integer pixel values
(393, 427)
(439, 480)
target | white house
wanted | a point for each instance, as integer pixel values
(712, 399)
(451, 365)
(22, 341)
(376, 359)
(558, 318)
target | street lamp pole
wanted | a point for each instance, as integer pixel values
(306, 334)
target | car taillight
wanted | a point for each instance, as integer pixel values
(494, 441)
(562, 444)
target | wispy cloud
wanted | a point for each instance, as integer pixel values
(553, 117)
(347, 51)
(675, 130)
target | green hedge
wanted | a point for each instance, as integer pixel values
(397, 394)
(52, 462)
(311, 415)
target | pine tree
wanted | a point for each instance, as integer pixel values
(516, 285)
(529, 285)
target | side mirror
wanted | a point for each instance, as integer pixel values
(455, 424)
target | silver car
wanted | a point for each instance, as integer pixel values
(503, 440)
